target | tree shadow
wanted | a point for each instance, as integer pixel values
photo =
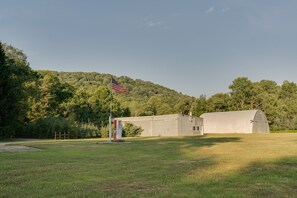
(191, 176)
(164, 167)
(259, 179)
(193, 141)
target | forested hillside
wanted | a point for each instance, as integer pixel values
(142, 98)
(40, 103)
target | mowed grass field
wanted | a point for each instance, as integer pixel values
(206, 166)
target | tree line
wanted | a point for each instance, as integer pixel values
(40, 103)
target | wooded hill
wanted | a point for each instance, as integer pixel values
(40, 103)
(142, 97)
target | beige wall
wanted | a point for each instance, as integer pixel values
(250, 121)
(260, 123)
(166, 125)
(190, 125)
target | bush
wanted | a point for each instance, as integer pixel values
(87, 130)
(104, 132)
(48, 126)
(130, 130)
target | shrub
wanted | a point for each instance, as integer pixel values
(104, 131)
(130, 130)
(87, 130)
(48, 126)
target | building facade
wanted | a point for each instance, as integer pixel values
(249, 121)
(166, 125)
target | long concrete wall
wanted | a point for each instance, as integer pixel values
(166, 125)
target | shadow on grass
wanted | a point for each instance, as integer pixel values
(192, 141)
(258, 179)
(155, 164)
(148, 167)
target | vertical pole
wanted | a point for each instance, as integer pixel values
(110, 116)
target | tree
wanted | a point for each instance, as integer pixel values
(93, 106)
(219, 102)
(199, 106)
(48, 98)
(158, 105)
(16, 76)
(265, 97)
(184, 105)
(288, 97)
(130, 130)
(241, 92)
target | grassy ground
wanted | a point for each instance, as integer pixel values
(284, 131)
(206, 166)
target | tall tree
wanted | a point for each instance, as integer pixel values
(219, 102)
(199, 106)
(16, 74)
(241, 92)
(265, 97)
(51, 93)
(184, 105)
(288, 96)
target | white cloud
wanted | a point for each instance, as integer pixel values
(150, 23)
(209, 10)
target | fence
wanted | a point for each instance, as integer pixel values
(61, 136)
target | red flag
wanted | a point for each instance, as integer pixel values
(116, 86)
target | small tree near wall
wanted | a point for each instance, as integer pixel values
(130, 130)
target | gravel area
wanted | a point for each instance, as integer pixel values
(5, 147)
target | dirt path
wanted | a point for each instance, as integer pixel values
(5, 147)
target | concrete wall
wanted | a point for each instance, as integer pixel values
(250, 121)
(260, 123)
(166, 125)
(190, 125)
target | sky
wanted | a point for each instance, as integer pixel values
(196, 47)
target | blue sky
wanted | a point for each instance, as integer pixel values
(193, 46)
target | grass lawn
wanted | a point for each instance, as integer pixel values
(206, 166)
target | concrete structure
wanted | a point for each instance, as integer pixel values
(250, 121)
(167, 125)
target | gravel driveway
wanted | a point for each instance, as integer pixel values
(5, 147)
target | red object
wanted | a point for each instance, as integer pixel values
(116, 86)
(115, 124)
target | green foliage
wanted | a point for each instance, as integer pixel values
(278, 102)
(130, 130)
(104, 131)
(28, 99)
(143, 98)
(48, 98)
(184, 105)
(219, 102)
(87, 130)
(241, 91)
(46, 127)
(14, 90)
(284, 131)
(199, 106)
